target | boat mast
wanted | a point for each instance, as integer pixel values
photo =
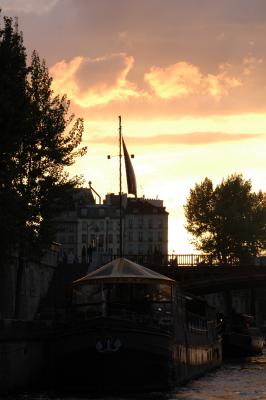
(120, 189)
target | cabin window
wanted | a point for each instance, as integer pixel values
(133, 295)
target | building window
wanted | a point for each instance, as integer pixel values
(150, 224)
(110, 238)
(101, 240)
(160, 236)
(130, 223)
(140, 222)
(140, 236)
(71, 227)
(93, 240)
(62, 239)
(130, 236)
(160, 223)
(150, 236)
(84, 238)
(83, 212)
(101, 212)
(110, 225)
(71, 239)
(61, 228)
(84, 226)
(159, 248)
(101, 225)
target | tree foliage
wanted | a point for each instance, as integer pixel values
(228, 220)
(38, 139)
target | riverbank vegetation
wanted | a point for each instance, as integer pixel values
(227, 220)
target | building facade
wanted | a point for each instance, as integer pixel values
(92, 230)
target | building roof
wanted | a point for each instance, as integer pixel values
(83, 196)
(122, 270)
(143, 206)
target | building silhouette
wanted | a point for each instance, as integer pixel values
(90, 231)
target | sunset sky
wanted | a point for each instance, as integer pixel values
(188, 78)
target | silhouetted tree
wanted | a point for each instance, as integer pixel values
(228, 220)
(13, 116)
(38, 139)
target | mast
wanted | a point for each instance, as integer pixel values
(120, 190)
(131, 182)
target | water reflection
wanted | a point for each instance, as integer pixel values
(235, 380)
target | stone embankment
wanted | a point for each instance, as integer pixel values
(24, 353)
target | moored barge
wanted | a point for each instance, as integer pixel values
(131, 328)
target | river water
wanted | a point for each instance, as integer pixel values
(235, 380)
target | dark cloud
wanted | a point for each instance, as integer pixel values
(28, 6)
(104, 70)
(154, 32)
(158, 33)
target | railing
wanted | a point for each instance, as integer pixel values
(175, 260)
(179, 260)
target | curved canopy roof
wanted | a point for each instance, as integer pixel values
(122, 270)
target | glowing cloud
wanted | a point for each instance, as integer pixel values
(177, 80)
(183, 79)
(93, 82)
(250, 63)
(220, 84)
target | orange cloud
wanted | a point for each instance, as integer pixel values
(183, 79)
(102, 85)
(219, 85)
(250, 63)
(93, 82)
(177, 80)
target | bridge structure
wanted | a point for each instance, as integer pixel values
(199, 274)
